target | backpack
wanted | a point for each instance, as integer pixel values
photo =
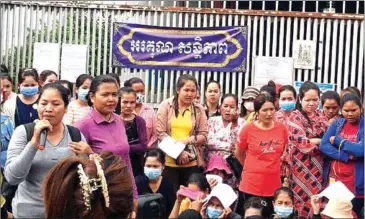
(74, 132)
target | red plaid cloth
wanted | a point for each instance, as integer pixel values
(306, 163)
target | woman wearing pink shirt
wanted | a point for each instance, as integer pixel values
(102, 128)
(143, 110)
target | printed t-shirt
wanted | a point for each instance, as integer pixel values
(261, 170)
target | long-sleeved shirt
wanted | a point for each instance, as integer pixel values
(149, 115)
(28, 166)
(107, 136)
(7, 130)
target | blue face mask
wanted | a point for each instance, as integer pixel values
(287, 106)
(152, 173)
(283, 212)
(213, 213)
(29, 91)
(82, 94)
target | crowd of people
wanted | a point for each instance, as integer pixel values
(89, 150)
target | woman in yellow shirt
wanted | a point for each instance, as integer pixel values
(178, 117)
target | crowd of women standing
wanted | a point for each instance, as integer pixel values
(268, 147)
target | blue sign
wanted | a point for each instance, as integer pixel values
(170, 48)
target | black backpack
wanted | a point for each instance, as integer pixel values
(74, 132)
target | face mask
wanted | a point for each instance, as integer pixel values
(29, 91)
(249, 106)
(152, 173)
(140, 98)
(287, 105)
(83, 94)
(283, 212)
(213, 213)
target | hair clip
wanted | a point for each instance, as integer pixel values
(90, 185)
(84, 182)
(97, 159)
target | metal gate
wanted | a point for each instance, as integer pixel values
(340, 39)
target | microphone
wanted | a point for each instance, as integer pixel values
(43, 138)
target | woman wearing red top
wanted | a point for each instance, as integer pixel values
(343, 144)
(260, 147)
(306, 127)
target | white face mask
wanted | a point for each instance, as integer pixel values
(249, 106)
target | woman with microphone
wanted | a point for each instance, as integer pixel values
(30, 158)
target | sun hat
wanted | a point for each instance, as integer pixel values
(224, 193)
(218, 162)
(336, 208)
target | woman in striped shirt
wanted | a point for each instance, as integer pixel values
(79, 108)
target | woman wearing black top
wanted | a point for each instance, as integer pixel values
(152, 181)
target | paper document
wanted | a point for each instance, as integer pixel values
(171, 147)
(337, 191)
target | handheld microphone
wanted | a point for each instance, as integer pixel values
(43, 138)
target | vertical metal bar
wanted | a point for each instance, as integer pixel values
(315, 38)
(12, 42)
(42, 23)
(347, 53)
(77, 20)
(231, 89)
(111, 39)
(30, 41)
(105, 47)
(3, 32)
(360, 73)
(147, 72)
(205, 24)
(301, 36)
(354, 53)
(54, 22)
(71, 25)
(99, 34)
(281, 37)
(308, 37)
(60, 20)
(274, 47)
(320, 49)
(357, 6)
(261, 36)
(268, 36)
(8, 13)
(224, 75)
(93, 39)
(340, 57)
(49, 13)
(334, 51)
(172, 74)
(254, 43)
(82, 32)
(217, 25)
(242, 75)
(88, 26)
(327, 51)
(36, 25)
(20, 34)
(65, 26)
(153, 81)
(344, 7)
(25, 27)
(166, 73)
(159, 81)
